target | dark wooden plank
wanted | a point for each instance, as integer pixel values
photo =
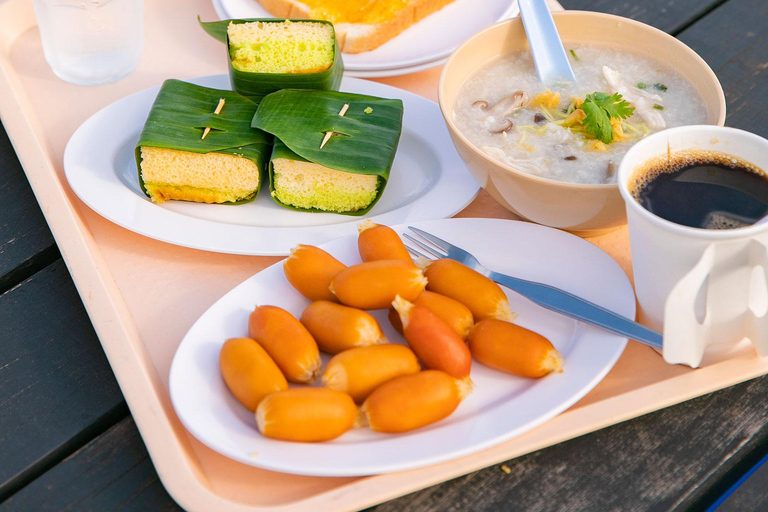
(113, 472)
(733, 39)
(26, 244)
(752, 494)
(655, 462)
(56, 388)
(668, 15)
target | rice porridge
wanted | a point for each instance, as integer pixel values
(575, 132)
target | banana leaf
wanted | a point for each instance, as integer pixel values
(182, 111)
(364, 142)
(258, 85)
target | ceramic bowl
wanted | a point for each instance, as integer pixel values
(583, 209)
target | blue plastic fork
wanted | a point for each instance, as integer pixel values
(542, 294)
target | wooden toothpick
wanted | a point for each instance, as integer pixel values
(328, 135)
(217, 112)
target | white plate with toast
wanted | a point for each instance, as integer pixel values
(428, 180)
(429, 41)
(501, 406)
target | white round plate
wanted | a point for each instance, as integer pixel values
(428, 181)
(501, 407)
(431, 39)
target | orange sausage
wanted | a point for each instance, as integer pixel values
(374, 284)
(310, 270)
(454, 313)
(483, 297)
(358, 371)
(287, 342)
(413, 401)
(249, 372)
(377, 242)
(336, 327)
(513, 349)
(434, 342)
(306, 415)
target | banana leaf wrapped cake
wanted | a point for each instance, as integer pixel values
(333, 151)
(198, 145)
(266, 55)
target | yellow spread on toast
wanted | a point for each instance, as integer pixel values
(346, 11)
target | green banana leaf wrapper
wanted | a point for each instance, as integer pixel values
(182, 111)
(364, 142)
(258, 85)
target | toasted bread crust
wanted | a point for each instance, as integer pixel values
(361, 37)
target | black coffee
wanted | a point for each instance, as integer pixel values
(703, 189)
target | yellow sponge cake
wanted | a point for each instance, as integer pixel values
(283, 47)
(268, 55)
(333, 151)
(307, 185)
(203, 178)
(198, 145)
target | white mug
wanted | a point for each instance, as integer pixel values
(701, 286)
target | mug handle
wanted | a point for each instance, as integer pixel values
(758, 325)
(684, 335)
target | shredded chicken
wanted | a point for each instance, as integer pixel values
(642, 100)
(530, 166)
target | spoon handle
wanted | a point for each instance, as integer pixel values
(551, 61)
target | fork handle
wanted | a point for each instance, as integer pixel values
(580, 309)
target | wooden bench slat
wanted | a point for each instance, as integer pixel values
(667, 15)
(56, 387)
(112, 472)
(732, 39)
(26, 243)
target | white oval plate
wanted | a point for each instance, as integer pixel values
(431, 39)
(428, 181)
(501, 406)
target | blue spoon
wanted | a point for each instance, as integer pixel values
(550, 58)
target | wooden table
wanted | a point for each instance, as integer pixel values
(67, 441)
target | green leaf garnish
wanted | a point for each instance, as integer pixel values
(657, 106)
(575, 57)
(599, 109)
(641, 85)
(660, 87)
(597, 122)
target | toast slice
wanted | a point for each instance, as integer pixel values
(360, 37)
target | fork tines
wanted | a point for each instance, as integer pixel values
(440, 252)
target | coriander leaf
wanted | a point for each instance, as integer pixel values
(575, 57)
(614, 105)
(641, 85)
(660, 87)
(597, 122)
(657, 106)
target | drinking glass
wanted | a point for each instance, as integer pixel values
(91, 42)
